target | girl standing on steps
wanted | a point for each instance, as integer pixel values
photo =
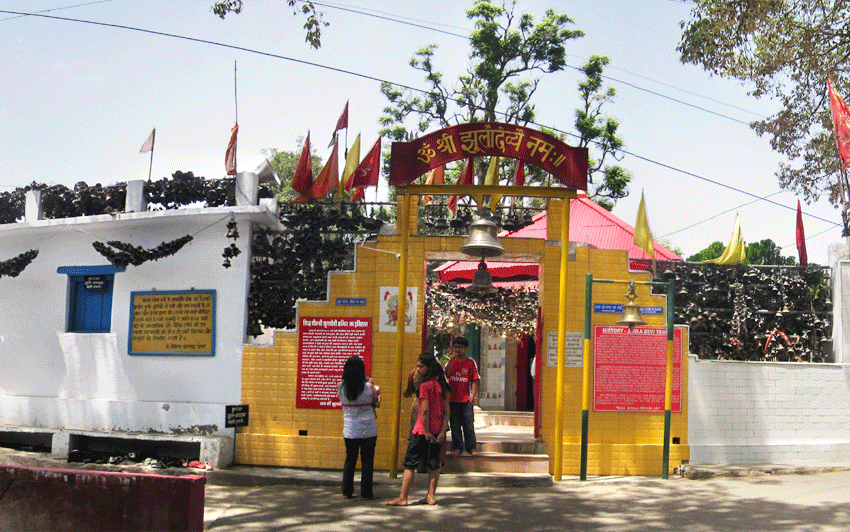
(432, 421)
(359, 399)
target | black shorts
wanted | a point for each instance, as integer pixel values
(418, 450)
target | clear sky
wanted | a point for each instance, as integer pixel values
(79, 100)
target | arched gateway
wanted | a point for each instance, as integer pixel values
(290, 429)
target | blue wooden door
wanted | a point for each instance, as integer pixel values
(91, 308)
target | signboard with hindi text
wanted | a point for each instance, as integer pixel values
(172, 323)
(629, 369)
(409, 160)
(324, 344)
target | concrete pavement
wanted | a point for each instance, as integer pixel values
(765, 503)
(769, 498)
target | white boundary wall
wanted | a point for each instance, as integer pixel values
(768, 413)
(53, 380)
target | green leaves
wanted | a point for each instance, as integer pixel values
(783, 51)
(506, 51)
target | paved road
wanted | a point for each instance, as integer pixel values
(817, 502)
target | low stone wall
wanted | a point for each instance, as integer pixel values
(768, 413)
(61, 499)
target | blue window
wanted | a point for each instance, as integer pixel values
(90, 297)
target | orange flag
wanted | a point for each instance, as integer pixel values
(328, 178)
(230, 154)
(840, 124)
(437, 176)
(302, 179)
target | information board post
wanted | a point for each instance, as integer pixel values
(668, 374)
(668, 383)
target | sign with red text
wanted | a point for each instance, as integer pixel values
(629, 369)
(324, 344)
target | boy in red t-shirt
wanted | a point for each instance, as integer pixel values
(462, 374)
(428, 432)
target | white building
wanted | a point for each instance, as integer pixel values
(72, 367)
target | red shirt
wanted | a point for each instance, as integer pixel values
(433, 392)
(461, 374)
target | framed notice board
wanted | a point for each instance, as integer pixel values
(180, 323)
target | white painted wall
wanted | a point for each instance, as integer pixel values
(768, 413)
(58, 380)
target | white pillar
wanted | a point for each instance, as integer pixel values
(33, 210)
(247, 185)
(135, 201)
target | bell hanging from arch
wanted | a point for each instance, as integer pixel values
(482, 240)
(482, 281)
(631, 310)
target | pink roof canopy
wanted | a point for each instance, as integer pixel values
(589, 223)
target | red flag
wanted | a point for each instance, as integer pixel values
(148, 145)
(366, 174)
(519, 177)
(230, 154)
(302, 179)
(801, 237)
(519, 173)
(840, 124)
(328, 178)
(359, 195)
(342, 123)
(464, 179)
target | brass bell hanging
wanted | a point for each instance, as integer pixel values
(482, 240)
(631, 310)
(482, 281)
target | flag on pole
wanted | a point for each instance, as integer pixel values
(437, 176)
(519, 177)
(735, 251)
(350, 165)
(366, 174)
(464, 179)
(302, 179)
(230, 154)
(643, 236)
(801, 237)
(148, 145)
(342, 123)
(840, 124)
(492, 178)
(328, 178)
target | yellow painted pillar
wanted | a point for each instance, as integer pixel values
(562, 335)
(404, 222)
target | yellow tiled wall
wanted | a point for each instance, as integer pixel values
(619, 443)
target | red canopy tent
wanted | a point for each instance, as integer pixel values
(589, 223)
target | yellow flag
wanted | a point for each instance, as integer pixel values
(351, 163)
(643, 237)
(492, 178)
(735, 252)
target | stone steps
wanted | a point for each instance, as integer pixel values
(506, 445)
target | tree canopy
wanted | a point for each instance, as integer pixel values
(784, 50)
(509, 56)
(313, 25)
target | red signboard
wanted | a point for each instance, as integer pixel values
(409, 160)
(324, 344)
(629, 369)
